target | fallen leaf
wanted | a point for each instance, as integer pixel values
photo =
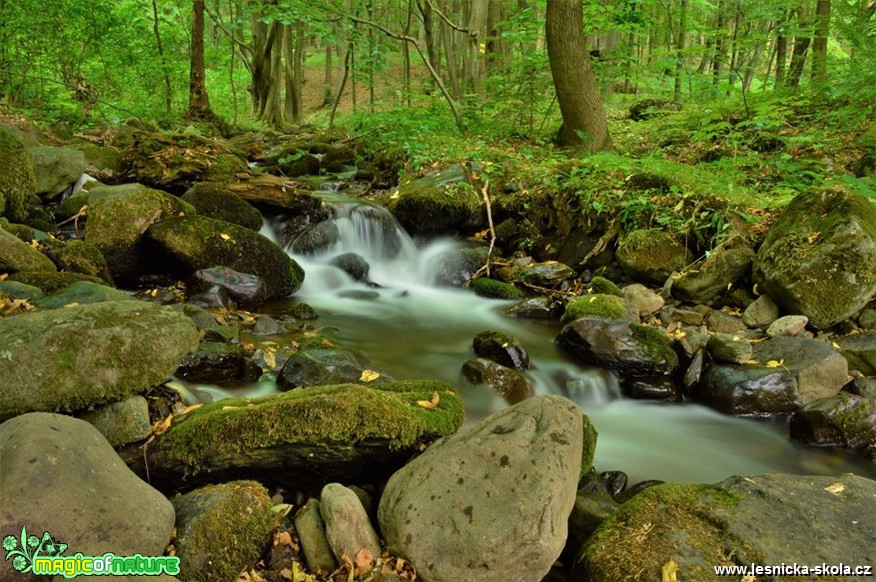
(230, 408)
(429, 403)
(224, 236)
(364, 561)
(270, 358)
(835, 488)
(369, 376)
(282, 508)
(327, 344)
(670, 569)
(283, 538)
(193, 407)
(74, 304)
(161, 426)
(775, 363)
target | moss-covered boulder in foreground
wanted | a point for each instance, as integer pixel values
(306, 437)
(436, 203)
(17, 181)
(819, 259)
(16, 255)
(765, 520)
(63, 360)
(197, 242)
(81, 293)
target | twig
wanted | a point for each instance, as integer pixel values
(449, 23)
(610, 234)
(486, 195)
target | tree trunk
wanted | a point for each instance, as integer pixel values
(199, 104)
(584, 123)
(328, 81)
(679, 56)
(494, 46)
(819, 45)
(801, 45)
(720, 50)
(781, 50)
(168, 88)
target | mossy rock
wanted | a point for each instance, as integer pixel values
(651, 255)
(196, 242)
(222, 530)
(16, 255)
(595, 305)
(56, 169)
(17, 180)
(22, 231)
(439, 202)
(603, 286)
(77, 256)
(50, 281)
(215, 200)
(486, 287)
(105, 159)
(819, 258)
(62, 360)
(117, 219)
(309, 436)
(16, 290)
(81, 293)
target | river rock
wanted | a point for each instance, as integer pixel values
(323, 366)
(720, 322)
(67, 359)
(439, 202)
(60, 475)
(545, 274)
(316, 238)
(81, 293)
(222, 530)
(16, 290)
(196, 242)
(310, 528)
(216, 200)
(728, 348)
(213, 297)
(217, 363)
(459, 266)
(117, 218)
(819, 258)
(704, 282)
(588, 513)
(352, 264)
(51, 281)
(508, 383)
(347, 528)
(619, 344)
(304, 437)
(651, 256)
(56, 169)
(652, 389)
(247, 291)
(789, 372)
(17, 255)
(642, 300)
(841, 420)
(77, 256)
(491, 502)
(787, 326)
(860, 351)
(487, 287)
(765, 520)
(595, 305)
(17, 181)
(537, 308)
(502, 349)
(122, 422)
(762, 312)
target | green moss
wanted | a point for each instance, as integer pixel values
(22, 231)
(343, 414)
(50, 282)
(602, 286)
(656, 344)
(597, 305)
(436, 203)
(215, 200)
(79, 257)
(589, 450)
(486, 287)
(17, 181)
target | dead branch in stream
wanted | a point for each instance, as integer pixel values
(486, 268)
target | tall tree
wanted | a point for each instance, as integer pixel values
(584, 124)
(819, 45)
(199, 104)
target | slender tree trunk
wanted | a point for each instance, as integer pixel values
(819, 45)
(199, 104)
(801, 46)
(406, 56)
(679, 56)
(493, 46)
(328, 81)
(781, 50)
(584, 123)
(720, 50)
(168, 88)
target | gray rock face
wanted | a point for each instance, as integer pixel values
(860, 351)
(708, 280)
(502, 349)
(621, 345)
(56, 169)
(789, 373)
(641, 299)
(71, 358)
(729, 348)
(766, 520)
(347, 527)
(17, 255)
(819, 259)
(490, 503)
(59, 474)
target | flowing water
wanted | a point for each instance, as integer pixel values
(410, 328)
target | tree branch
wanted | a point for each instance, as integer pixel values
(241, 46)
(449, 23)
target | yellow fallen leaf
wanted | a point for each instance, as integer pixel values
(775, 363)
(74, 304)
(670, 569)
(192, 408)
(835, 488)
(327, 344)
(270, 358)
(161, 426)
(835, 345)
(224, 236)
(369, 376)
(230, 408)
(429, 403)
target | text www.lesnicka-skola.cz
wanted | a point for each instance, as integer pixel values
(794, 570)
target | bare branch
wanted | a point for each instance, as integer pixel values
(451, 24)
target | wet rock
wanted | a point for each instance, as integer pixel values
(651, 255)
(302, 438)
(704, 282)
(486, 287)
(101, 352)
(604, 306)
(547, 274)
(352, 264)
(790, 373)
(863, 387)
(617, 344)
(652, 389)
(17, 182)
(347, 527)
(81, 293)
(860, 351)
(588, 513)
(819, 258)
(599, 284)
(682, 316)
(122, 422)
(441, 201)
(828, 519)
(634, 490)
(537, 308)
(195, 242)
(221, 530)
(491, 502)
(694, 371)
(56, 169)
(213, 297)
(762, 312)
(502, 349)
(320, 367)
(267, 325)
(104, 506)
(16, 290)
(310, 528)
(867, 319)
(247, 291)
(733, 349)
(720, 322)
(842, 420)
(77, 256)
(316, 238)
(506, 382)
(457, 267)
(217, 363)
(643, 300)
(50, 281)
(614, 481)
(216, 200)
(17, 255)
(787, 326)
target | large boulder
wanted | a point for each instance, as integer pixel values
(58, 474)
(305, 437)
(819, 258)
(216, 200)
(842, 420)
(80, 293)
(651, 255)
(705, 281)
(77, 256)
(117, 218)
(784, 373)
(860, 351)
(72, 358)
(56, 169)
(196, 242)
(17, 181)
(490, 503)
(439, 202)
(16, 255)
(763, 520)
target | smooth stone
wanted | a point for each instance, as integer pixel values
(860, 351)
(704, 282)
(347, 527)
(122, 422)
(508, 383)
(719, 322)
(842, 420)
(311, 532)
(762, 312)
(16, 255)
(247, 291)
(733, 349)
(788, 326)
(502, 349)
(537, 308)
